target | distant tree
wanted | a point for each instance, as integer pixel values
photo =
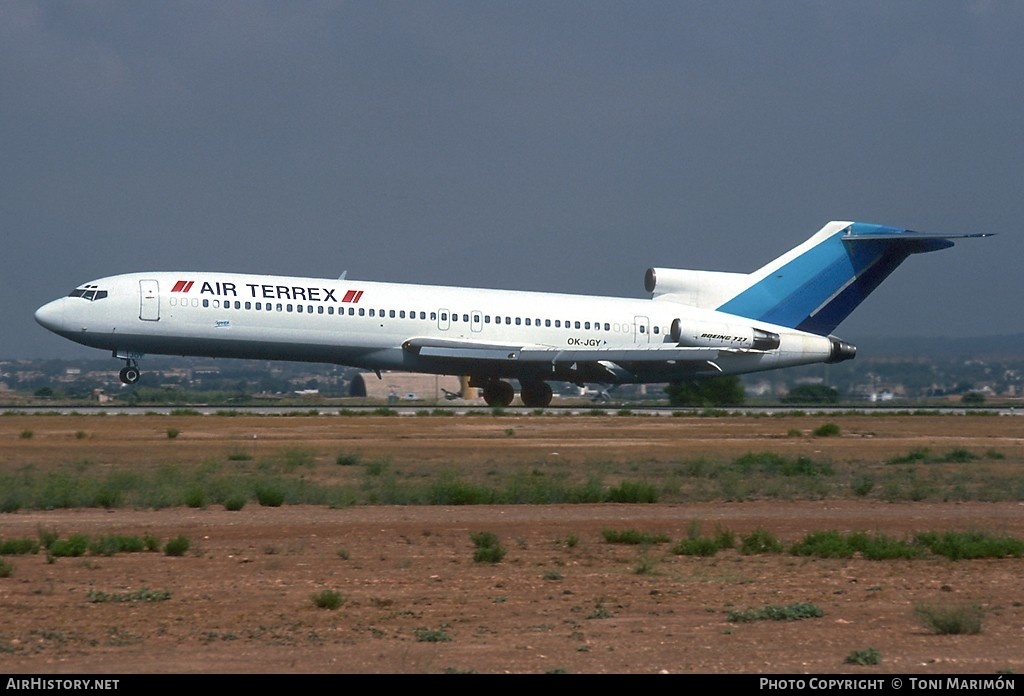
(811, 394)
(711, 391)
(972, 399)
(44, 392)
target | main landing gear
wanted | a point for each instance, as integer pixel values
(533, 394)
(130, 373)
(498, 393)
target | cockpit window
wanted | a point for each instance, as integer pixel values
(88, 292)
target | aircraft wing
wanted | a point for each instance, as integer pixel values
(608, 363)
(469, 350)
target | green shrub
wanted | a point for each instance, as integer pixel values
(867, 656)
(18, 547)
(348, 459)
(47, 537)
(327, 599)
(113, 543)
(725, 538)
(826, 430)
(775, 612)
(488, 550)
(950, 619)
(269, 495)
(108, 497)
(172, 433)
(195, 497)
(972, 544)
(633, 536)
(6, 568)
(918, 454)
(862, 485)
(177, 546)
(959, 456)
(295, 458)
(696, 547)
(424, 635)
(74, 546)
(632, 492)
(142, 595)
(774, 464)
(760, 541)
(830, 544)
(235, 503)
(880, 547)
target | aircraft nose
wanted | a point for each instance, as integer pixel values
(51, 315)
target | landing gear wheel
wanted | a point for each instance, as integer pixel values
(535, 394)
(129, 375)
(498, 393)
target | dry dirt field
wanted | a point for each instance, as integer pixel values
(561, 600)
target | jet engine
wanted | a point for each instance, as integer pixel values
(721, 335)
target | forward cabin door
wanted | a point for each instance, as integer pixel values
(149, 300)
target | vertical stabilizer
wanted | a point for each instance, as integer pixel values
(816, 285)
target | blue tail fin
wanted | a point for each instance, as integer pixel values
(818, 284)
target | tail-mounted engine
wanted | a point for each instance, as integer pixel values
(720, 335)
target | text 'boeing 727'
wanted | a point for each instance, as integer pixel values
(695, 324)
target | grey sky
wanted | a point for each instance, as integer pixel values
(560, 146)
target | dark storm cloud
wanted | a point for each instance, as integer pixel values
(558, 146)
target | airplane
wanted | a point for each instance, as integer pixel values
(694, 324)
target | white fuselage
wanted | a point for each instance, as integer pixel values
(370, 325)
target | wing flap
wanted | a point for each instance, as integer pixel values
(469, 350)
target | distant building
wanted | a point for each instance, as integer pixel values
(405, 386)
